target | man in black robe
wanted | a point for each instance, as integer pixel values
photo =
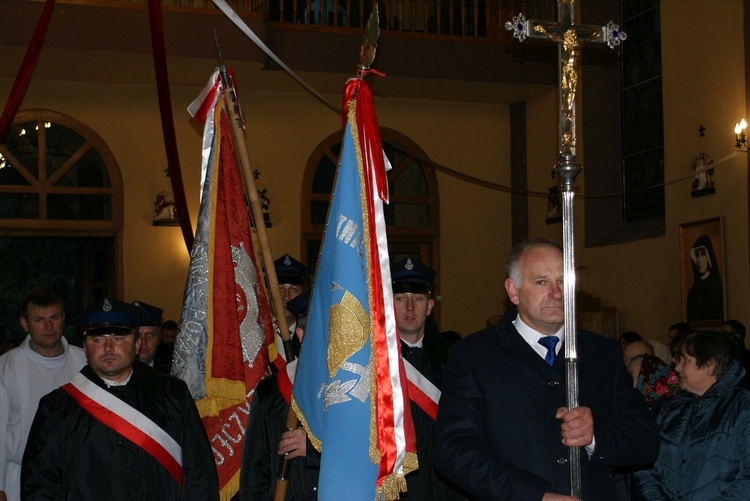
(119, 430)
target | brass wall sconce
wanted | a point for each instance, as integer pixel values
(741, 136)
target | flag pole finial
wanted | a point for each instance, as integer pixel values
(222, 66)
(370, 43)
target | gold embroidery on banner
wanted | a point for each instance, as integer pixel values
(349, 330)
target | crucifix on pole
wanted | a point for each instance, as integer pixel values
(569, 38)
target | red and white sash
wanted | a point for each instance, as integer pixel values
(128, 422)
(421, 390)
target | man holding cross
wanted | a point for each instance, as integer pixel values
(503, 431)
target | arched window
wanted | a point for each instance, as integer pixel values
(61, 212)
(412, 217)
(54, 170)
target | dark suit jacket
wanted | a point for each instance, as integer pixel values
(497, 436)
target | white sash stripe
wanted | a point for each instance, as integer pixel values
(422, 382)
(129, 414)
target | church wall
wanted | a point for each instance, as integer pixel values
(704, 83)
(283, 129)
(475, 231)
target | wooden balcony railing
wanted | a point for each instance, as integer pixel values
(463, 18)
(480, 19)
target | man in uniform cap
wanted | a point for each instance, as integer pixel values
(292, 277)
(149, 333)
(426, 350)
(119, 430)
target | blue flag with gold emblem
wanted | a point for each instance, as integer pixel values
(348, 390)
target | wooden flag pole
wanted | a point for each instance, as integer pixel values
(238, 131)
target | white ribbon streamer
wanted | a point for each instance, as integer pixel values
(232, 15)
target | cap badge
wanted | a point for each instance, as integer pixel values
(106, 306)
(287, 260)
(409, 265)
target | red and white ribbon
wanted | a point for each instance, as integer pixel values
(128, 422)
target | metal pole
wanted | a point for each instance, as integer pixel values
(568, 169)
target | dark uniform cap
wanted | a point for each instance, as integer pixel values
(298, 305)
(150, 315)
(411, 276)
(290, 271)
(110, 316)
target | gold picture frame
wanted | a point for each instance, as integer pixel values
(702, 272)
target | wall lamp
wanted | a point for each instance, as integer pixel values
(740, 135)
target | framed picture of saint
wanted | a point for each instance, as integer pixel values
(702, 271)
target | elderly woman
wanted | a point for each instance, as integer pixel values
(705, 444)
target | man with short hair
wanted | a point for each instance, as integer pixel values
(119, 430)
(149, 333)
(165, 351)
(42, 362)
(503, 430)
(426, 351)
(633, 356)
(169, 331)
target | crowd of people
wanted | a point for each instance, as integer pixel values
(655, 421)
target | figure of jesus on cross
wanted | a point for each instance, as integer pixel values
(569, 37)
(570, 60)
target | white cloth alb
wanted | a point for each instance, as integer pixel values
(25, 377)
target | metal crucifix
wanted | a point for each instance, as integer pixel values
(569, 37)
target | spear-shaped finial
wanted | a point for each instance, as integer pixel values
(370, 44)
(222, 67)
(228, 83)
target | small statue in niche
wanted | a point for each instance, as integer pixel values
(165, 212)
(265, 204)
(703, 171)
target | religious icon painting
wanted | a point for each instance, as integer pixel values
(554, 205)
(702, 271)
(703, 172)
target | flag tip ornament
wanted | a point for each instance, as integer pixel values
(222, 66)
(370, 43)
(228, 82)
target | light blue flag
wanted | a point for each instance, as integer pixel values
(333, 383)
